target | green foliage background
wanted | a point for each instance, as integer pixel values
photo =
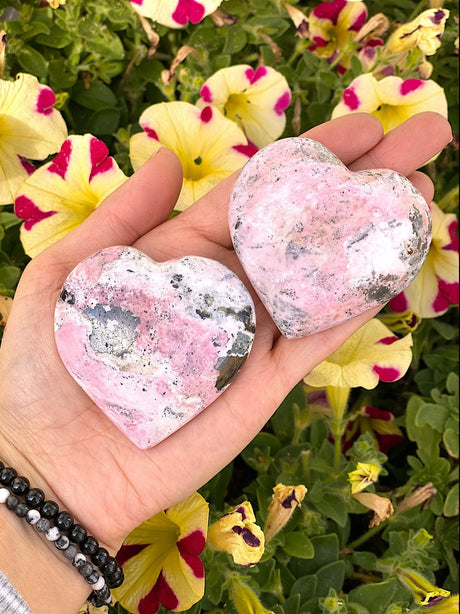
(95, 56)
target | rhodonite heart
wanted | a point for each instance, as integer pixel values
(320, 243)
(151, 343)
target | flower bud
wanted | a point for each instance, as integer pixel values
(285, 500)
(239, 535)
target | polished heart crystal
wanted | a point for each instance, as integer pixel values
(151, 343)
(320, 243)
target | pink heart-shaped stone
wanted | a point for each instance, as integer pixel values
(320, 243)
(151, 343)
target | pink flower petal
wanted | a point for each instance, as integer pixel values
(282, 103)
(206, 115)
(28, 166)
(60, 163)
(329, 10)
(27, 210)
(376, 413)
(359, 21)
(150, 132)
(410, 85)
(447, 294)
(205, 93)
(254, 75)
(388, 340)
(399, 303)
(188, 10)
(452, 229)
(46, 100)
(387, 374)
(351, 99)
(101, 162)
(248, 150)
(129, 550)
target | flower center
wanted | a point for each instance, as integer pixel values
(235, 107)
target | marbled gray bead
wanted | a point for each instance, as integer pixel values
(86, 570)
(12, 502)
(70, 552)
(53, 534)
(43, 525)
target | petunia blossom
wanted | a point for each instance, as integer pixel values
(423, 33)
(363, 476)
(435, 287)
(370, 355)
(238, 534)
(254, 99)
(392, 100)
(61, 194)
(378, 423)
(381, 506)
(209, 146)
(425, 593)
(332, 26)
(161, 562)
(30, 128)
(175, 13)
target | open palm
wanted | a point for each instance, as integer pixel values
(53, 432)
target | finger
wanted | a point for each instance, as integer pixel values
(208, 217)
(145, 200)
(408, 146)
(423, 184)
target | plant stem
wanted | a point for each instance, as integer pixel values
(363, 538)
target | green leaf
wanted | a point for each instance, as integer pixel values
(326, 549)
(33, 62)
(235, 39)
(305, 587)
(451, 502)
(97, 96)
(366, 560)
(450, 440)
(9, 276)
(299, 545)
(432, 415)
(104, 121)
(377, 597)
(56, 38)
(330, 576)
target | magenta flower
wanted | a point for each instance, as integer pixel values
(378, 423)
(175, 13)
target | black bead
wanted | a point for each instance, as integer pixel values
(12, 502)
(20, 485)
(116, 579)
(21, 510)
(86, 570)
(90, 545)
(49, 509)
(93, 577)
(7, 475)
(64, 521)
(98, 600)
(34, 497)
(2, 465)
(77, 534)
(109, 567)
(100, 558)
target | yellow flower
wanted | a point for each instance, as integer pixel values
(333, 25)
(245, 600)
(209, 146)
(175, 13)
(381, 506)
(60, 195)
(447, 605)
(160, 560)
(238, 534)
(5, 307)
(423, 33)
(30, 128)
(392, 100)
(436, 285)
(254, 99)
(285, 500)
(425, 593)
(370, 355)
(90, 609)
(363, 476)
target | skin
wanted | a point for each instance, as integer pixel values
(52, 432)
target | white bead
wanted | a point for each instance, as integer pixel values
(4, 494)
(53, 534)
(99, 584)
(33, 516)
(79, 557)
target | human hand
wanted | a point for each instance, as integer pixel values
(55, 435)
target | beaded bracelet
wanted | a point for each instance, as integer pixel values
(94, 563)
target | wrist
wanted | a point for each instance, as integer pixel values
(42, 536)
